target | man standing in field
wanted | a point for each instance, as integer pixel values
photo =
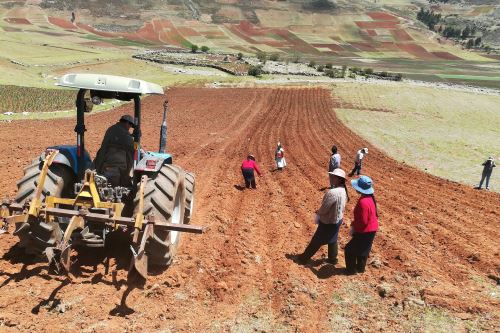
(489, 164)
(358, 161)
(333, 164)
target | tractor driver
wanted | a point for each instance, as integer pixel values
(114, 160)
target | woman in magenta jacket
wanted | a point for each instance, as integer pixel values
(363, 228)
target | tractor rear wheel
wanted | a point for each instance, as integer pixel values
(164, 197)
(34, 236)
(189, 183)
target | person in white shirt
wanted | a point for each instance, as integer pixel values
(329, 218)
(358, 161)
(279, 157)
(333, 164)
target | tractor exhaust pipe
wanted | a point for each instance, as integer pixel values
(163, 130)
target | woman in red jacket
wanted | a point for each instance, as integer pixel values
(364, 227)
(247, 169)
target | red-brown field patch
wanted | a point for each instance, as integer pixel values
(416, 50)
(446, 55)
(377, 24)
(17, 20)
(389, 46)
(364, 46)
(148, 33)
(61, 23)
(371, 33)
(188, 32)
(382, 16)
(401, 35)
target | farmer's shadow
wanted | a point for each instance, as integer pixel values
(239, 187)
(326, 271)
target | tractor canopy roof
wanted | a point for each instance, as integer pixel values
(109, 83)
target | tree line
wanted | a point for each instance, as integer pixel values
(435, 22)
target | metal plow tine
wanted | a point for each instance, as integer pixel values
(139, 262)
(21, 228)
(53, 256)
(66, 256)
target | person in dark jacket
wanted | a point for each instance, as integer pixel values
(488, 166)
(333, 164)
(248, 167)
(363, 228)
(329, 218)
(115, 158)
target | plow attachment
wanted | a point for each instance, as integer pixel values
(59, 255)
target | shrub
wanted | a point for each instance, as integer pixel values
(398, 76)
(312, 63)
(205, 48)
(274, 57)
(240, 56)
(344, 69)
(262, 56)
(194, 48)
(296, 58)
(368, 71)
(320, 68)
(255, 70)
(329, 65)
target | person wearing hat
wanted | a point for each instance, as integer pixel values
(115, 158)
(489, 164)
(363, 227)
(329, 218)
(358, 161)
(279, 157)
(333, 164)
(248, 167)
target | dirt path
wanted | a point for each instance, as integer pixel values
(437, 244)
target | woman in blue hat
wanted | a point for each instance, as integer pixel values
(363, 228)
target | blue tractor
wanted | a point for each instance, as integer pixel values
(63, 203)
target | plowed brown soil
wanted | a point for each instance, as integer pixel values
(438, 241)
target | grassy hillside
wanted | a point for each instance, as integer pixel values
(409, 123)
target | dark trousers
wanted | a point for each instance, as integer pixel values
(357, 250)
(248, 175)
(356, 169)
(486, 175)
(325, 234)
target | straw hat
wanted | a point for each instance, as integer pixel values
(338, 172)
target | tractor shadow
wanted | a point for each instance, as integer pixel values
(17, 255)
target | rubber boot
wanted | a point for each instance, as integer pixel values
(333, 251)
(361, 264)
(350, 264)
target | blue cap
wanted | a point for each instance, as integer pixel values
(363, 185)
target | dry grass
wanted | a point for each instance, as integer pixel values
(444, 132)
